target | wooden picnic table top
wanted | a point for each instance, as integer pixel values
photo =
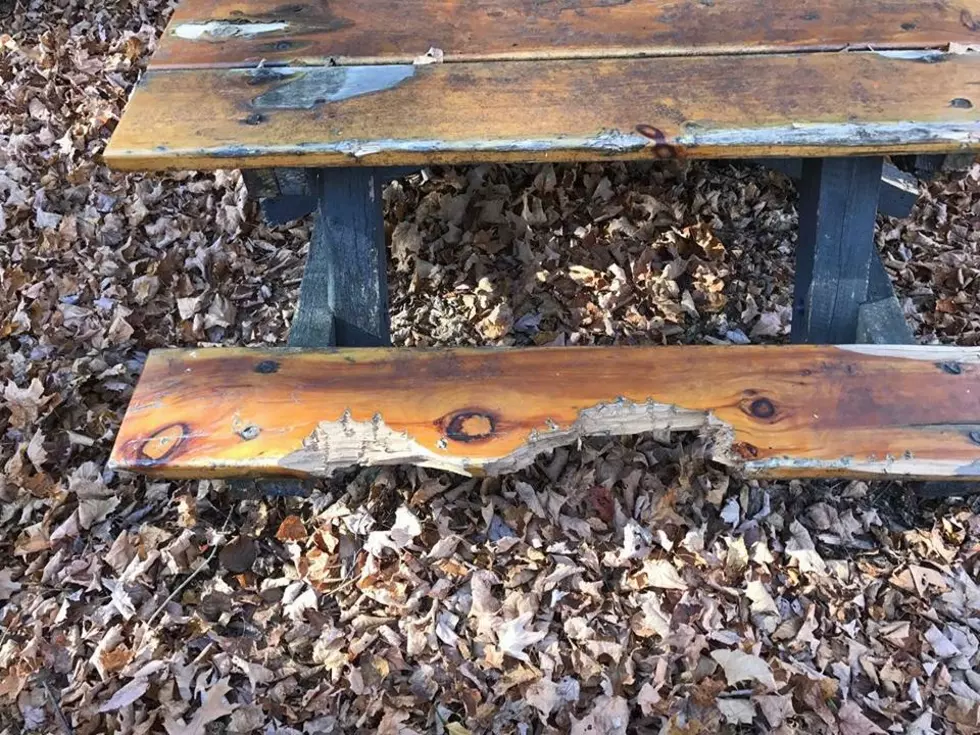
(255, 83)
(237, 33)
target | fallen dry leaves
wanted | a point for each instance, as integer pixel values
(618, 586)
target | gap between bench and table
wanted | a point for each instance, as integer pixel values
(842, 293)
(882, 410)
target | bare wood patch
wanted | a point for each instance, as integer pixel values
(336, 445)
(216, 30)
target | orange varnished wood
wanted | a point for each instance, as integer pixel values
(738, 106)
(795, 410)
(245, 32)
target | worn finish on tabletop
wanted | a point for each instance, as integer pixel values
(232, 33)
(778, 411)
(740, 106)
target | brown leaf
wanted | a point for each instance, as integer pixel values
(291, 529)
(853, 721)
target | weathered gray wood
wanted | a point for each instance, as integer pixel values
(264, 183)
(880, 317)
(284, 194)
(838, 202)
(283, 209)
(899, 190)
(344, 294)
(936, 490)
(287, 194)
(929, 165)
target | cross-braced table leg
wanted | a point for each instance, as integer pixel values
(344, 296)
(842, 293)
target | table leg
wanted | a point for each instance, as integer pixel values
(344, 295)
(838, 202)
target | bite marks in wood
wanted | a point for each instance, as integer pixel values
(336, 445)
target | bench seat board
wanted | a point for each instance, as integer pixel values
(812, 104)
(244, 32)
(771, 411)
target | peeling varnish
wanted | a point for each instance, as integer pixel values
(337, 445)
(219, 30)
(928, 56)
(614, 142)
(841, 135)
(928, 353)
(304, 89)
(898, 467)
(610, 142)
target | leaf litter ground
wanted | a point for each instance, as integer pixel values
(619, 586)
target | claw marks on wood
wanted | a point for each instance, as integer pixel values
(865, 410)
(304, 89)
(336, 445)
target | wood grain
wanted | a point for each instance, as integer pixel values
(802, 410)
(710, 107)
(231, 33)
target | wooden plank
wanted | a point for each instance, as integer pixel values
(344, 296)
(739, 106)
(838, 203)
(207, 33)
(798, 410)
(880, 318)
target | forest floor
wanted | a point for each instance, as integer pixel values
(623, 585)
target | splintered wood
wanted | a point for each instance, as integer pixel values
(805, 411)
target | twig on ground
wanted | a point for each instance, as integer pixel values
(190, 577)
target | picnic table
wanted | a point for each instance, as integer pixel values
(320, 103)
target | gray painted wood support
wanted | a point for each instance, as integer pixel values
(287, 194)
(835, 249)
(929, 165)
(880, 318)
(344, 295)
(899, 190)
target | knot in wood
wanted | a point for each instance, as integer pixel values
(164, 442)
(469, 426)
(760, 408)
